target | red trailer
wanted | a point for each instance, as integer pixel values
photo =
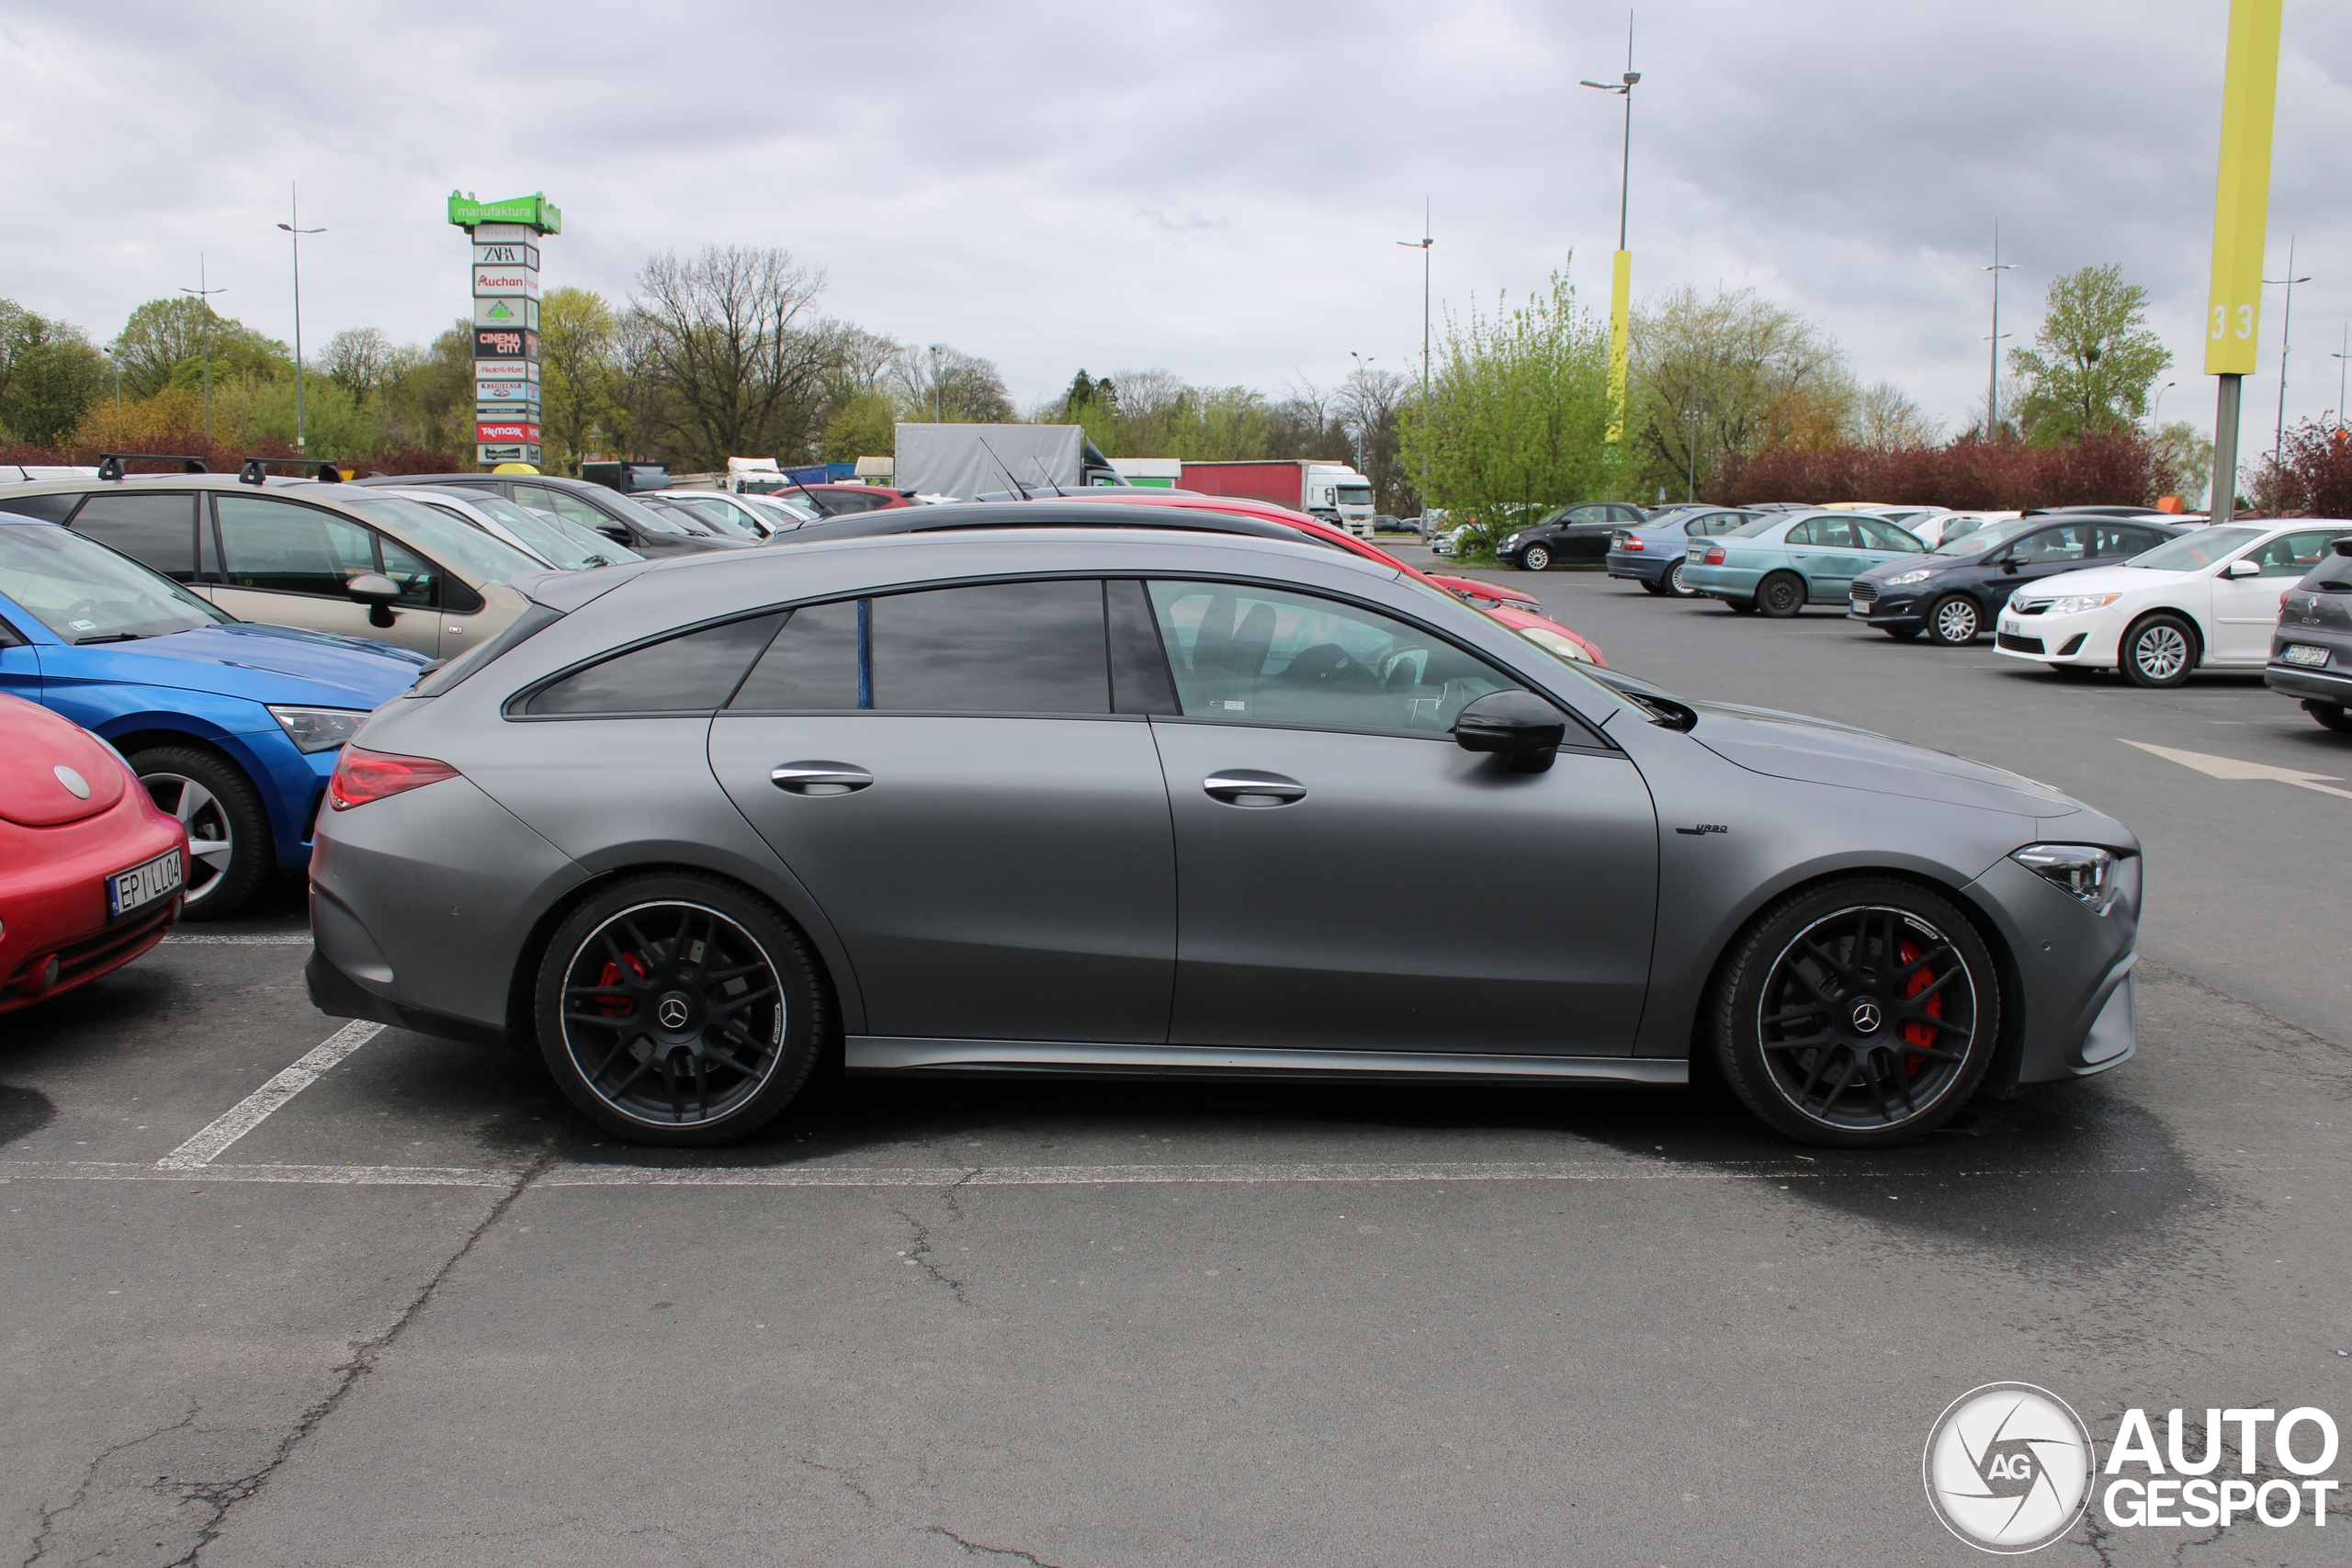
(1330, 490)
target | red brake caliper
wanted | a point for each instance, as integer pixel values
(610, 975)
(1917, 980)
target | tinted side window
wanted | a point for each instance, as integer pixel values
(1803, 532)
(290, 548)
(419, 580)
(2293, 555)
(2334, 576)
(1269, 656)
(1881, 536)
(563, 504)
(2114, 540)
(692, 673)
(2052, 545)
(48, 508)
(158, 530)
(991, 648)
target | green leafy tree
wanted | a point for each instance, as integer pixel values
(164, 335)
(865, 426)
(2093, 361)
(49, 375)
(1519, 410)
(1728, 375)
(579, 388)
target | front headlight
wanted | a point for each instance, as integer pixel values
(317, 729)
(1553, 643)
(2076, 605)
(1512, 540)
(1904, 578)
(2080, 870)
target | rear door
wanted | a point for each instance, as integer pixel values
(1320, 803)
(2044, 553)
(1830, 551)
(945, 772)
(2245, 609)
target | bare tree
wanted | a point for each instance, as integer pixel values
(723, 365)
(358, 360)
(946, 386)
(1887, 420)
(1367, 404)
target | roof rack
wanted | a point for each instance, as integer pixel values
(252, 473)
(110, 463)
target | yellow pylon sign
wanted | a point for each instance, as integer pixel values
(1620, 310)
(2241, 196)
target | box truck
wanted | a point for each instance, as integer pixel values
(961, 461)
(1332, 492)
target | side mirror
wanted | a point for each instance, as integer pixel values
(2009, 564)
(379, 592)
(1520, 726)
(2243, 568)
(616, 532)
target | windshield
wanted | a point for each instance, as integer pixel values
(567, 545)
(644, 516)
(778, 513)
(1986, 537)
(2191, 551)
(1352, 495)
(85, 593)
(483, 556)
(714, 512)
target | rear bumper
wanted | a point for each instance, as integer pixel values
(2312, 685)
(1723, 581)
(337, 995)
(1640, 567)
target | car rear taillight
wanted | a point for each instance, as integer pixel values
(1714, 556)
(362, 776)
(1627, 541)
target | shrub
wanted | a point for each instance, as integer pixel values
(1967, 474)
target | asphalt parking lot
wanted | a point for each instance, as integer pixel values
(281, 1292)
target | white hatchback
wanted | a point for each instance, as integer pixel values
(2207, 600)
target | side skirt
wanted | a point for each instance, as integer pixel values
(891, 1053)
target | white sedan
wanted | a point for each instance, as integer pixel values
(2207, 600)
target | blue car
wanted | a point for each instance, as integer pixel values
(235, 728)
(1785, 560)
(1653, 555)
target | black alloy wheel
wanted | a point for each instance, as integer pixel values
(1856, 1015)
(1781, 595)
(2330, 715)
(2158, 652)
(230, 852)
(1676, 586)
(1536, 557)
(1954, 621)
(679, 1009)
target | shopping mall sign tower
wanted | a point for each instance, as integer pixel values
(505, 274)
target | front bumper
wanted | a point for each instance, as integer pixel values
(2084, 640)
(2075, 1013)
(1901, 611)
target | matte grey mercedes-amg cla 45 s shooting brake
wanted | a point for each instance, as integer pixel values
(1092, 799)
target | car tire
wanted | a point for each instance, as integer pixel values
(1810, 1025)
(1654, 585)
(1954, 621)
(1535, 557)
(752, 1010)
(1676, 586)
(230, 849)
(2330, 715)
(1781, 594)
(2158, 652)
(1740, 606)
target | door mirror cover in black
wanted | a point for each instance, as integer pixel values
(1519, 725)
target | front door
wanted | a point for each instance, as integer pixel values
(286, 564)
(1322, 812)
(2245, 609)
(945, 772)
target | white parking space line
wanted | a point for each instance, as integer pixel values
(945, 1177)
(277, 939)
(255, 1108)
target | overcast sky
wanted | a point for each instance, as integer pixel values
(1216, 189)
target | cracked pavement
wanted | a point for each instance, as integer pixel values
(1719, 1366)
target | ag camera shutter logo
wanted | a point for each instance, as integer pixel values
(2008, 1467)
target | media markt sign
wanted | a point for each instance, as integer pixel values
(504, 284)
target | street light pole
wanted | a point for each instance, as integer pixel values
(294, 210)
(1992, 380)
(1423, 246)
(2341, 361)
(2157, 405)
(204, 297)
(115, 360)
(2285, 324)
(1692, 420)
(1621, 276)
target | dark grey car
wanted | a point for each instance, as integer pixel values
(645, 529)
(2310, 653)
(1108, 800)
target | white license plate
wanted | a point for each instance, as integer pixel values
(142, 885)
(2013, 628)
(2298, 654)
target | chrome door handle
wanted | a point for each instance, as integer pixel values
(819, 778)
(1247, 786)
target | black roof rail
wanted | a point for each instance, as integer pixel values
(110, 463)
(251, 471)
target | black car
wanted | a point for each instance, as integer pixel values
(2310, 653)
(1581, 532)
(641, 527)
(1954, 594)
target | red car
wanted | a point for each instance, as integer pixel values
(90, 870)
(1522, 612)
(846, 500)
